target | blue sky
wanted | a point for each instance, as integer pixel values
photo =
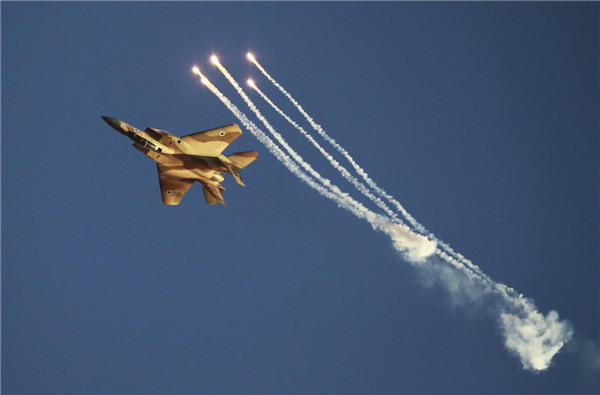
(482, 119)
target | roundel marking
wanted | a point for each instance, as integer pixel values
(169, 192)
(222, 133)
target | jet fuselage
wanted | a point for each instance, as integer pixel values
(196, 157)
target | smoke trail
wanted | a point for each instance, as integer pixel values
(343, 171)
(327, 183)
(415, 248)
(530, 335)
(420, 228)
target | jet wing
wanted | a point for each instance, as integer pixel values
(172, 189)
(212, 142)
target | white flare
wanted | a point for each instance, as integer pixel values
(418, 227)
(405, 241)
(535, 338)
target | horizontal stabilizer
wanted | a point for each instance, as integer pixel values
(243, 159)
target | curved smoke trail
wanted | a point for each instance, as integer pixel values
(418, 227)
(343, 171)
(412, 246)
(533, 337)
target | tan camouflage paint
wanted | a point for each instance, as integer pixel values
(183, 160)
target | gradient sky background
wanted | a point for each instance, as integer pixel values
(482, 119)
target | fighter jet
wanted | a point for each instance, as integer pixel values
(182, 160)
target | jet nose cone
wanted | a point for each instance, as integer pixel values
(114, 123)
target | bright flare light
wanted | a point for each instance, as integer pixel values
(204, 80)
(214, 59)
(196, 70)
(251, 83)
(251, 57)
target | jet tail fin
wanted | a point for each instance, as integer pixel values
(238, 160)
(236, 174)
(210, 199)
(213, 193)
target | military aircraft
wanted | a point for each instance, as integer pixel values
(182, 160)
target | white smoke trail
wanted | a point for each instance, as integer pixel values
(327, 183)
(343, 171)
(535, 338)
(419, 228)
(528, 334)
(415, 248)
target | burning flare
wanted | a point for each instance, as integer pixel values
(534, 337)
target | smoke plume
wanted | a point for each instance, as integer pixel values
(530, 335)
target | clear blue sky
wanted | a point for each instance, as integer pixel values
(482, 119)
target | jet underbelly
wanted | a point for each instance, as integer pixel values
(183, 160)
(185, 173)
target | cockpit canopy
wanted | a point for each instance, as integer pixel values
(142, 142)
